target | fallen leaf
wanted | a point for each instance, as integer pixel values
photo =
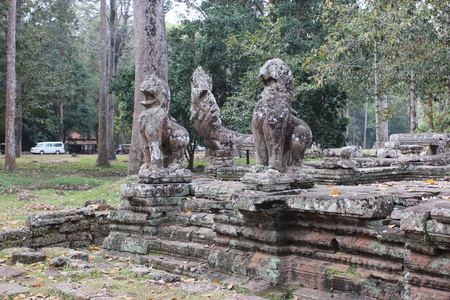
(91, 258)
(188, 211)
(431, 181)
(388, 217)
(94, 248)
(216, 281)
(35, 264)
(335, 193)
(330, 185)
(392, 226)
(230, 286)
(38, 284)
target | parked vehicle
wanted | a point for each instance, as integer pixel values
(48, 148)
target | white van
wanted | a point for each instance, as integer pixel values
(48, 148)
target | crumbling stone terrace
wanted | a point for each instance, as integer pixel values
(380, 241)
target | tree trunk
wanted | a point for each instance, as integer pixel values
(18, 129)
(102, 158)
(61, 119)
(151, 58)
(430, 111)
(441, 104)
(412, 103)
(365, 127)
(111, 72)
(347, 128)
(380, 106)
(11, 85)
(19, 107)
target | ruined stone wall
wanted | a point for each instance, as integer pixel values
(71, 228)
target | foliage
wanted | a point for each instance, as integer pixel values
(373, 46)
(50, 75)
(286, 38)
(123, 87)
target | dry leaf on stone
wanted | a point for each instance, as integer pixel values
(431, 181)
(188, 211)
(38, 284)
(230, 286)
(335, 193)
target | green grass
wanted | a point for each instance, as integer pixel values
(57, 182)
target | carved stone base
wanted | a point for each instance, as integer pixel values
(273, 180)
(167, 175)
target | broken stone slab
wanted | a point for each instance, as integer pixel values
(338, 163)
(155, 190)
(128, 217)
(59, 261)
(10, 272)
(11, 289)
(28, 257)
(439, 234)
(122, 243)
(75, 291)
(414, 218)
(361, 206)
(345, 152)
(273, 180)
(164, 176)
(441, 212)
(45, 219)
(95, 202)
(386, 153)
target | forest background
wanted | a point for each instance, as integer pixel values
(363, 69)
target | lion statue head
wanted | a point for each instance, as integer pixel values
(204, 108)
(156, 92)
(276, 73)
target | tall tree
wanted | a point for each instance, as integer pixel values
(111, 73)
(151, 58)
(10, 143)
(102, 158)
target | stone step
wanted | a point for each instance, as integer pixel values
(199, 219)
(184, 250)
(206, 205)
(187, 234)
(177, 266)
(216, 189)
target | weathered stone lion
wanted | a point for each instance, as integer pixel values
(281, 138)
(205, 116)
(162, 139)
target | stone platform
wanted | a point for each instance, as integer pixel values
(373, 241)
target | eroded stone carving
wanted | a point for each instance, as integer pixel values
(162, 139)
(205, 116)
(280, 137)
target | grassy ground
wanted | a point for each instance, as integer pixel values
(56, 182)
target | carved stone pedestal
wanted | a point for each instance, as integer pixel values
(144, 209)
(409, 153)
(162, 176)
(273, 180)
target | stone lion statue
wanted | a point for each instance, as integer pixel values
(205, 116)
(205, 113)
(280, 137)
(162, 139)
